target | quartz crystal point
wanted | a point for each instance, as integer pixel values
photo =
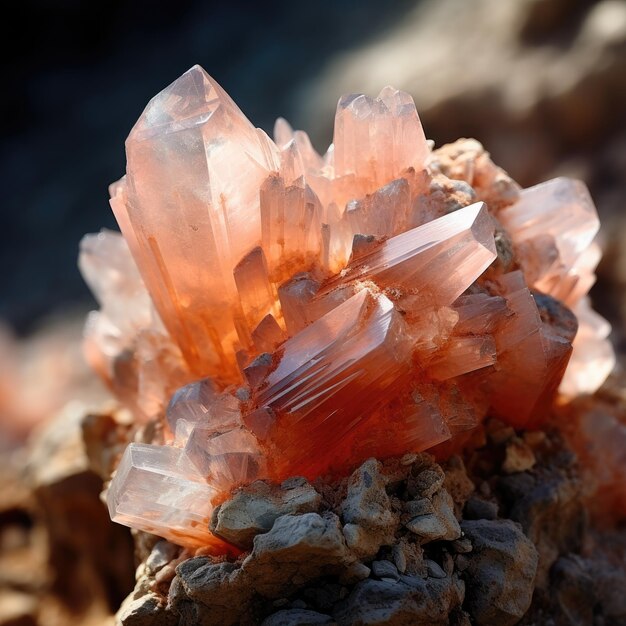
(376, 139)
(559, 216)
(314, 311)
(195, 166)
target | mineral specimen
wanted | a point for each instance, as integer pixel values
(316, 311)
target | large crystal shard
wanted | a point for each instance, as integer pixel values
(195, 165)
(531, 357)
(329, 378)
(158, 490)
(438, 260)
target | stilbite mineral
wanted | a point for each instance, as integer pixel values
(318, 310)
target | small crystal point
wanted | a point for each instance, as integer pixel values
(226, 459)
(201, 402)
(158, 490)
(376, 139)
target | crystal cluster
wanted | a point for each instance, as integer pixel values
(314, 311)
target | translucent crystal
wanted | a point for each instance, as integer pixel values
(331, 376)
(195, 165)
(376, 139)
(439, 260)
(226, 459)
(157, 489)
(202, 403)
(593, 357)
(314, 311)
(125, 341)
(554, 225)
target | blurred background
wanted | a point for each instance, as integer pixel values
(541, 83)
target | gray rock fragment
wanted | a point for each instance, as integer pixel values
(426, 482)
(423, 506)
(550, 510)
(145, 611)
(385, 570)
(297, 617)
(477, 508)
(217, 586)
(297, 549)
(462, 546)
(254, 508)
(399, 558)
(438, 525)
(434, 569)
(500, 573)
(412, 601)
(573, 590)
(354, 572)
(366, 511)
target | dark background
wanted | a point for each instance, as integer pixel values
(80, 75)
(541, 82)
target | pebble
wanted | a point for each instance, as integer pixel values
(423, 506)
(462, 545)
(519, 457)
(476, 508)
(385, 570)
(434, 569)
(461, 562)
(399, 558)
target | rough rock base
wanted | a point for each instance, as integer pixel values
(499, 537)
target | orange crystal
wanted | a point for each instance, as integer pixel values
(319, 310)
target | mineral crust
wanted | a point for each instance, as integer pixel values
(314, 311)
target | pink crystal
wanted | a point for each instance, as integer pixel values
(158, 490)
(438, 260)
(554, 225)
(318, 310)
(195, 165)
